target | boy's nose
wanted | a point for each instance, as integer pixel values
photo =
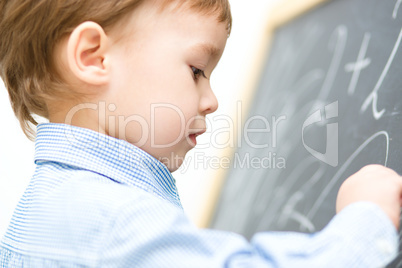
(208, 102)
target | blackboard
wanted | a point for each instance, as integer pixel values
(333, 82)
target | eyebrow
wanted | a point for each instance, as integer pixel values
(207, 48)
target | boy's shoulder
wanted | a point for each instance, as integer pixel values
(86, 199)
(73, 218)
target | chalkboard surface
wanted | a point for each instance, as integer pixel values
(331, 94)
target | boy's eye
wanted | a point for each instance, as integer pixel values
(197, 72)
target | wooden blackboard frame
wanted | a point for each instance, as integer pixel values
(285, 11)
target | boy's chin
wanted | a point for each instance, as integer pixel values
(173, 162)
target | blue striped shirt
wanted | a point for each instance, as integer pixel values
(95, 201)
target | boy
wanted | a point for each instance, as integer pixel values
(125, 85)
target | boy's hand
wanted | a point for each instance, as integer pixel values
(376, 184)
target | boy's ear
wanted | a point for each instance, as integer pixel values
(86, 53)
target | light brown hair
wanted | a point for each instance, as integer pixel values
(30, 29)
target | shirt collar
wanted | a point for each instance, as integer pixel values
(115, 159)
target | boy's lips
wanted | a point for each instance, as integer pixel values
(193, 136)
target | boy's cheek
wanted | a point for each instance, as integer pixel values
(168, 124)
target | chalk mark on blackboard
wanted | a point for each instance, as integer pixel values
(373, 97)
(341, 35)
(291, 60)
(340, 172)
(302, 86)
(304, 221)
(396, 8)
(305, 84)
(280, 195)
(290, 100)
(359, 65)
(289, 211)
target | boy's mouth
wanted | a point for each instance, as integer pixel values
(193, 137)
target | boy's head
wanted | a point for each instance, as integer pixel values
(137, 70)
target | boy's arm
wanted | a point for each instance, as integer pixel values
(151, 233)
(359, 236)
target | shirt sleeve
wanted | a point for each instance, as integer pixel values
(150, 233)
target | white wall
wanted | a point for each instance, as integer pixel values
(16, 152)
